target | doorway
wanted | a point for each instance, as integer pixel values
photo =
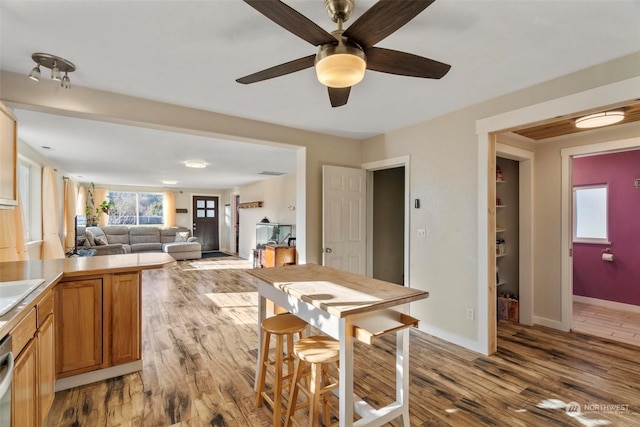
(603, 272)
(206, 223)
(388, 225)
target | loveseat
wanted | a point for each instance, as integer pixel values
(120, 239)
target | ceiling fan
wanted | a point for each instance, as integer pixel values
(343, 55)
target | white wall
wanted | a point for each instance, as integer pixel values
(444, 175)
(278, 195)
(94, 104)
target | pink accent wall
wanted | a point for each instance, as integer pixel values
(618, 280)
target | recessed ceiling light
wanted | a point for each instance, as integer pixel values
(169, 182)
(599, 119)
(196, 164)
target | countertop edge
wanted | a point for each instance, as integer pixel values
(16, 314)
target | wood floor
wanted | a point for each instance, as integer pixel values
(617, 325)
(200, 342)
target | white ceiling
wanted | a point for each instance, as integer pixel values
(190, 53)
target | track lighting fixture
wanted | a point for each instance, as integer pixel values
(57, 65)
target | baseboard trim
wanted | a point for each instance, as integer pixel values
(452, 338)
(100, 375)
(606, 303)
(549, 323)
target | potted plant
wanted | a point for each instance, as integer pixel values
(93, 212)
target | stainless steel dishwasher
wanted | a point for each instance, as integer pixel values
(6, 378)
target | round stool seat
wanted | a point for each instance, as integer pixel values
(283, 324)
(317, 349)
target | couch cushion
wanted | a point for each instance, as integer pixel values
(168, 234)
(90, 239)
(93, 232)
(117, 234)
(144, 235)
(146, 247)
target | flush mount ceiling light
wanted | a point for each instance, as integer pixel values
(169, 182)
(599, 119)
(57, 65)
(195, 164)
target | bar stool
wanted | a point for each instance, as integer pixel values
(282, 326)
(314, 355)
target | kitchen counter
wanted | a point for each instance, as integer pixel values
(54, 270)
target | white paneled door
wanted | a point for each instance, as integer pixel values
(344, 218)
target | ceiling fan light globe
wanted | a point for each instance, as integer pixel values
(340, 70)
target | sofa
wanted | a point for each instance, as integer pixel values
(120, 239)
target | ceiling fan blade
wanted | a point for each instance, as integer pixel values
(279, 70)
(382, 19)
(292, 21)
(338, 96)
(404, 64)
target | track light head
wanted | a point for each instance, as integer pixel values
(35, 73)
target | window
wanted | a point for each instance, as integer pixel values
(135, 208)
(590, 219)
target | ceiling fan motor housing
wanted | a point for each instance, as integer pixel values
(340, 10)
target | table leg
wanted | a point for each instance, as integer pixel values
(346, 373)
(402, 374)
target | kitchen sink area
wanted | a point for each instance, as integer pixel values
(11, 293)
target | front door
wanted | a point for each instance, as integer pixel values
(344, 218)
(205, 222)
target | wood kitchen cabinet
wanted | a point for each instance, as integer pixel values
(24, 399)
(98, 323)
(125, 319)
(34, 377)
(278, 255)
(46, 355)
(78, 310)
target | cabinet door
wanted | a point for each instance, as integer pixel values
(78, 326)
(125, 318)
(24, 397)
(46, 366)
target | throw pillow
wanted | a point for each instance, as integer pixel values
(90, 238)
(182, 236)
(100, 241)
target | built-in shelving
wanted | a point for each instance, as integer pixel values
(500, 230)
(501, 282)
(501, 255)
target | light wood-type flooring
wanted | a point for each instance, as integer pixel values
(617, 325)
(200, 344)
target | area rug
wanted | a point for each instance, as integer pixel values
(214, 255)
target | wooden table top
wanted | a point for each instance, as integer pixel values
(337, 292)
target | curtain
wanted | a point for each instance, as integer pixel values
(100, 195)
(51, 246)
(169, 209)
(70, 200)
(81, 205)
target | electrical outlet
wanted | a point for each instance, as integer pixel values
(470, 314)
(422, 233)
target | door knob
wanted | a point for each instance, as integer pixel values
(328, 250)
